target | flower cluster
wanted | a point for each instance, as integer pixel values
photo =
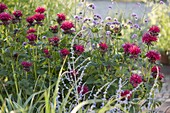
(103, 47)
(64, 52)
(79, 49)
(153, 56)
(26, 65)
(66, 26)
(54, 41)
(2, 7)
(135, 79)
(156, 72)
(126, 93)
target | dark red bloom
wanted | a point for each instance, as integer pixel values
(64, 52)
(17, 13)
(161, 75)
(126, 93)
(31, 30)
(39, 17)
(54, 41)
(79, 49)
(135, 79)
(46, 52)
(155, 69)
(32, 37)
(103, 47)
(30, 19)
(5, 17)
(83, 89)
(134, 50)
(153, 55)
(148, 38)
(26, 64)
(61, 17)
(2, 7)
(40, 10)
(154, 30)
(54, 29)
(126, 47)
(67, 25)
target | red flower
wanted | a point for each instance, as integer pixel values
(103, 47)
(67, 25)
(153, 56)
(40, 10)
(17, 13)
(26, 64)
(127, 94)
(64, 52)
(79, 49)
(31, 30)
(135, 79)
(126, 47)
(54, 29)
(2, 7)
(46, 52)
(161, 76)
(83, 89)
(134, 50)
(155, 29)
(32, 37)
(54, 41)
(39, 17)
(30, 19)
(5, 17)
(148, 38)
(61, 17)
(155, 69)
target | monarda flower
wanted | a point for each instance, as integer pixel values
(40, 10)
(160, 76)
(83, 89)
(32, 38)
(5, 17)
(66, 26)
(135, 79)
(126, 94)
(39, 17)
(126, 47)
(54, 29)
(2, 7)
(153, 56)
(46, 52)
(79, 49)
(103, 47)
(148, 38)
(61, 17)
(64, 52)
(134, 50)
(154, 30)
(26, 65)
(17, 14)
(54, 41)
(30, 20)
(31, 30)
(155, 69)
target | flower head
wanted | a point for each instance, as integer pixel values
(83, 89)
(148, 38)
(5, 17)
(153, 56)
(39, 17)
(126, 93)
(31, 30)
(79, 49)
(160, 76)
(40, 10)
(54, 29)
(31, 37)
(2, 7)
(155, 69)
(17, 13)
(154, 30)
(64, 52)
(54, 41)
(46, 52)
(26, 65)
(103, 47)
(134, 50)
(61, 17)
(67, 25)
(135, 79)
(30, 19)
(126, 47)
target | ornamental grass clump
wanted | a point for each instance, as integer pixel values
(87, 63)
